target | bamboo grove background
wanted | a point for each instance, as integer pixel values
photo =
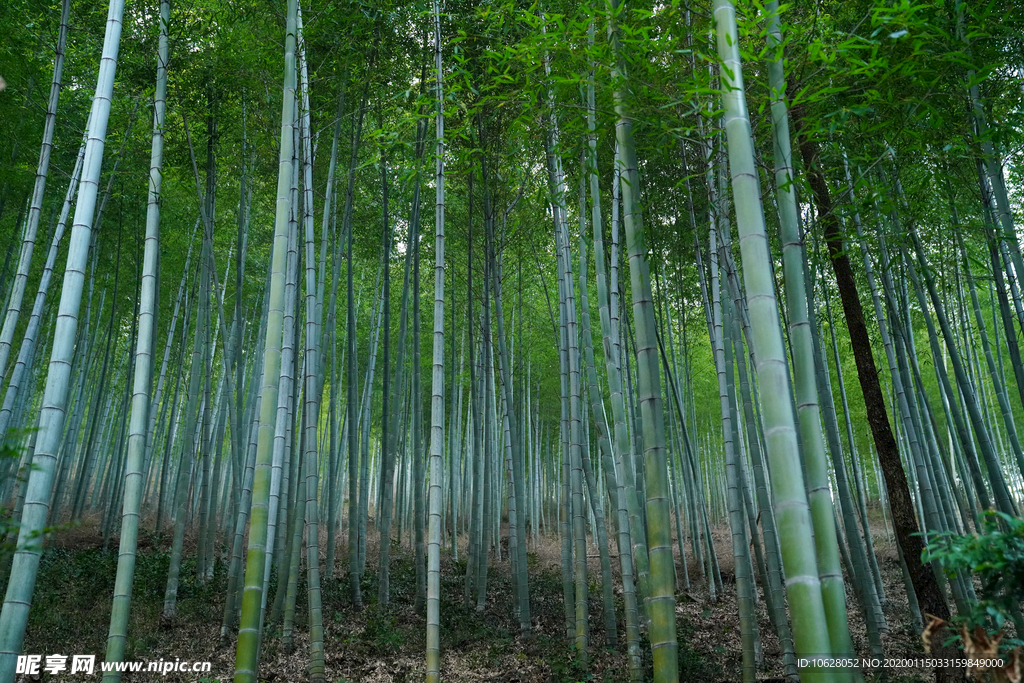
(611, 273)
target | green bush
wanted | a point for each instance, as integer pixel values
(996, 557)
(381, 630)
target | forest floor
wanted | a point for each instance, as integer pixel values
(71, 611)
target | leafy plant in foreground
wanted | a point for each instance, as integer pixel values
(997, 558)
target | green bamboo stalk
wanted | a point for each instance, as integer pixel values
(661, 601)
(630, 530)
(576, 439)
(859, 570)
(734, 310)
(389, 414)
(278, 547)
(20, 586)
(312, 390)
(89, 450)
(208, 410)
(595, 494)
(433, 645)
(27, 351)
(775, 597)
(175, 418)
(565, 506)
(20, 281)
(242, 513)
(117, 637)
(671, 375)
(473, 422)
(485, 423)
(333, 495)
(294, 439)
(289, 586)
(247, 653)
(816, 631)
(858, 484)
(741, 556)
(711, 571)
(517, 462)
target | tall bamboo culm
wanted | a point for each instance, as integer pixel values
(661, 600)
(25, 566)
(149, 296)
(436, 464)
(247, 654)
(808, 413)
(796, 531)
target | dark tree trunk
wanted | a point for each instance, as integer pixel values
(928, 592)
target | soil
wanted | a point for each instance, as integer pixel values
(71, 612)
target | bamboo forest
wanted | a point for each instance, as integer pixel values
(511, 340)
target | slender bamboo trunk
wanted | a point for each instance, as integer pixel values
(20, 586)
(247, 653)
(518, 469)
(149, 296)
(13, 308)
(433, 645)
(741, 557)
(661, 600)
(313, 387)
(816, 630)
(385, 505)
(26, 353)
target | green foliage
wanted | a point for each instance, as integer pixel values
(9, 526)
(996, 557)
(568, 668)
(382, 630)
(694, 665)
(77, 579)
